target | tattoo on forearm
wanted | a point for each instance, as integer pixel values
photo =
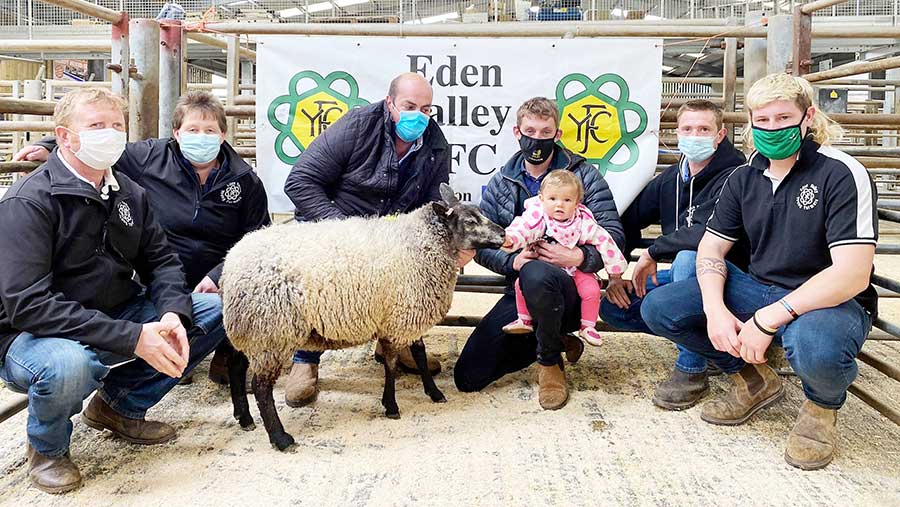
(714, 266)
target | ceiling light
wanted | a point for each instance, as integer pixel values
(289, 13)
(434, 19)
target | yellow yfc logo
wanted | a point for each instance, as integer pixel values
(593, 123)
(311, 111)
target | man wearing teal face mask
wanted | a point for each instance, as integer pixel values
(385, 158)
(680, 200)
(203, 193)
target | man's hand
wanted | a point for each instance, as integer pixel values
(525, 256)
(558, 255)
(464, 257)
(164, 347)
(206, 286)
(645, 267)
(754, 343)
(618, 291)
(723, 328)
(33, 153)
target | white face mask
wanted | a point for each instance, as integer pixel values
(100, 149)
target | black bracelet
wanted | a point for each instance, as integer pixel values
(761, 328)
(787, 307)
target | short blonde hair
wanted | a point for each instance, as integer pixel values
(205, 103)
(70, 103)
(798, 90)
(541, 107)
(563, 178)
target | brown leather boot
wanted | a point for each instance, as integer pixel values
(302, 386)
(810, 446)
(553, 393)
(755, 387)
(681, 390)
(100, 416)
(406, 361)
(52, 475)
(574, 348)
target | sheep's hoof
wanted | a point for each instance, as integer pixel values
(437, 397)
(392, 415)
(246, 421)
(283, 441)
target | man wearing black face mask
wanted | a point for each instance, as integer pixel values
(549, 291)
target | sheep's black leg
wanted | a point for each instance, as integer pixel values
(262, 389)
(418, 352)
(389, 398)
(237, 380)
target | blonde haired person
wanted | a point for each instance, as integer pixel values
(204, 194)
(76, 231)
(809, 213)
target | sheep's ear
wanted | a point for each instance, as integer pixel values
(442, 211)
(448, 196)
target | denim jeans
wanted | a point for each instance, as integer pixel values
(489, 353)
(684, 267)
(307, 357)
(59, 373)
(821, 345)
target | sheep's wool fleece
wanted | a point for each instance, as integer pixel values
(336, 284)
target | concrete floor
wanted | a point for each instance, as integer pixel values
(608, 446)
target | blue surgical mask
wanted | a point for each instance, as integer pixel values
(412, 125)
(199, 148)
(696, 148)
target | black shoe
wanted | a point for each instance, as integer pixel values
(712, 370)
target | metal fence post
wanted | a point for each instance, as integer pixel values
(754, 53)
(170, 56)
(143, 89)
(120, 59)
(779, 44)
(232, 86)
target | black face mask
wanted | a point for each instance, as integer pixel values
(536, 151)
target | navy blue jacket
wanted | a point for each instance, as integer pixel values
(504, 199)
(682, 208)
(69, 257)
(201, 226)
(351, 169)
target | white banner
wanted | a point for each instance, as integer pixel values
(608, 92)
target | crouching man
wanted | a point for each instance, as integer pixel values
(75, 234)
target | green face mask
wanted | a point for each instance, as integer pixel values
(778, 144)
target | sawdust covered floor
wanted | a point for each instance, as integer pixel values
(608, 446)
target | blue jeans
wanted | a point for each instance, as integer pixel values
(684, 267)
(59, 373)
(821, 345)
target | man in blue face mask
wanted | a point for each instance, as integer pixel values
(680, 200)
(385, 158)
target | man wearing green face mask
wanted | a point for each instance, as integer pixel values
(809, 213)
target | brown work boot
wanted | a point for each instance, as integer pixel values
(553, 393)
(681, 390)
(302, 386)
(52, 475)
(573, 347)
(810, 446)
(407, 362)
(755, 387)
(100, 416)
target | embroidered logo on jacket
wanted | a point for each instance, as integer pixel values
(125, 213)
(231, 194)
(808, 198)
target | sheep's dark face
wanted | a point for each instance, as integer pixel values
(468, 227)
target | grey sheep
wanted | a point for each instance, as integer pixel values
(338, 284)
